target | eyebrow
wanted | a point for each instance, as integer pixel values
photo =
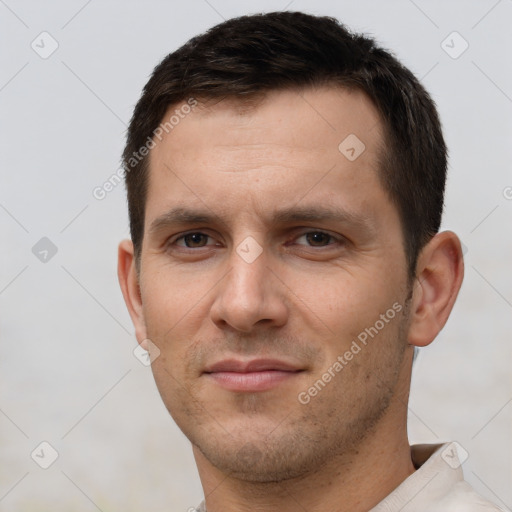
(180, 215)
(321, 214)
(184, 216)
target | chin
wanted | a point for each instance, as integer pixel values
(263, 460)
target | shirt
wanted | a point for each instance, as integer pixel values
(437, 485)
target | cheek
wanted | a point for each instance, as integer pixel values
(343, 304)
(175, 392)
(172, 306)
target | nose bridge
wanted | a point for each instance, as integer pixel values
(248, 295)
(248, 262)
(246, 281)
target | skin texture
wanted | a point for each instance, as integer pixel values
(303, 300)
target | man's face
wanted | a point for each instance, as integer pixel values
(268, 251)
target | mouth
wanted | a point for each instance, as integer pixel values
(251, 376)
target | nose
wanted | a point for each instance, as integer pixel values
(250, 296)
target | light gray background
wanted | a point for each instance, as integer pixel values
(67, 372)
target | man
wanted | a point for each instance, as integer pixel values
(285, 184)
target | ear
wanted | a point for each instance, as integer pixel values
(129, 281)
(439, 274)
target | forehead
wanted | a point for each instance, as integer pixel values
(315, 118)
(287, 145)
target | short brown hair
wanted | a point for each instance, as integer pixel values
(245, 57)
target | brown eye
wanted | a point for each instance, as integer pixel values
(193, 240)
(318, 238)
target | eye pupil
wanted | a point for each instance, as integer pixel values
(317, 238)
(195, 239)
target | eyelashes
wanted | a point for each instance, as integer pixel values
(312, 238)
(193, 237)
(323, 235)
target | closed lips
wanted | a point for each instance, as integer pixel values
(255, 365)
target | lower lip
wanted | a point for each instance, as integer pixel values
(251, 381)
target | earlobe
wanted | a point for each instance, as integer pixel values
(129, 282)
(439, 275)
